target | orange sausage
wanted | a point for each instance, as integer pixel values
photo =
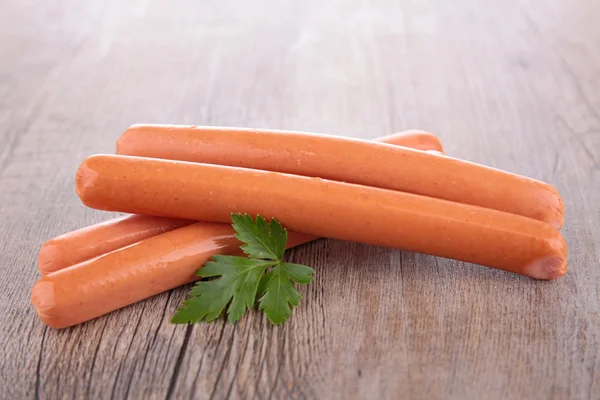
(92, 241)
(84, 244)
(349, 160)
(324, 208)
(106, 283)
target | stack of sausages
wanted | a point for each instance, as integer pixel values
(400, 192)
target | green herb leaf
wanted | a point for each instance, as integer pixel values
(277, 292)
(239, 281)
(260, 240)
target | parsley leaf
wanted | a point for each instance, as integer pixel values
(259, 240)
(277, 292)
(239, 281)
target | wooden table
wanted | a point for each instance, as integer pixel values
(512, 84)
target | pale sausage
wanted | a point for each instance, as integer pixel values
(324, 208)
(92, 241)
(349, 160)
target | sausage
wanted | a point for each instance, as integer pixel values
(322, 207)
(84, 244)
(138, 140)
(349, 160)
(98, 286)
(92, 241)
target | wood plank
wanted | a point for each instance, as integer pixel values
(510, 84)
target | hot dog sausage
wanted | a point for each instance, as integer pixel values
(84, 244)
(137, 139)
(92, 241)
(324, 208)
(349, 160)
(106, 283)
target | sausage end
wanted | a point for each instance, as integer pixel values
(124, 141)
(554, 212)
(547, 268)
(44, 302)
(559, 211)
(47, 259)
(85, 179)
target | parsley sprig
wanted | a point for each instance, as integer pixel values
(237, 283)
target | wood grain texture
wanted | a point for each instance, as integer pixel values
(513, 84)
